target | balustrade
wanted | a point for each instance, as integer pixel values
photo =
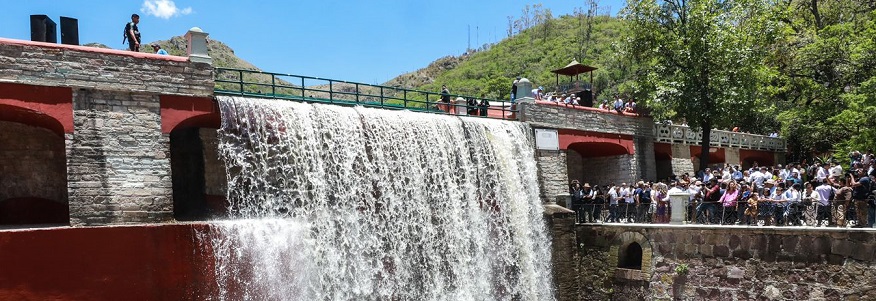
(685, 135)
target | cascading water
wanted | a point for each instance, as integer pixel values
(340, 203)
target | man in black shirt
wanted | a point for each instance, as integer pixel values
(132, 33)
(860, 193)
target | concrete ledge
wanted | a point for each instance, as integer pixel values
(7, 41)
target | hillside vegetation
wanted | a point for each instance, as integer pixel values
(531, 53)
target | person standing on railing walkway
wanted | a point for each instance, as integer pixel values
(588, 196)
(711, 198)
(629, 214)
(484, 105)
(862, 190)
(825, 193)
(794, 213)
(514, 90)
(445, 99)
(613, 198)
(575, 196)
(643, 202)
(728, 201)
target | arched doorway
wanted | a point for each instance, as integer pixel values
(663, 160)
(198, 175)
(33, 172)
(599, 163)
(630, 257)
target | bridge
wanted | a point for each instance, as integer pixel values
(94, 137)
(81, 124)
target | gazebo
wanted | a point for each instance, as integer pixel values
(575, 85)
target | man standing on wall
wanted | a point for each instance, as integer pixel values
(132, 33)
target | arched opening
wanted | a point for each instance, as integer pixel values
(762, 158)
(33, 170)
(630, 257)
(198, 175)
(599, 163)
(717, 157)
(663, 160)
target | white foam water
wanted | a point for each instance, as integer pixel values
(341, 203)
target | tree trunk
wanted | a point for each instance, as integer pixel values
(704, 145)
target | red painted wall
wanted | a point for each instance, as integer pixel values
(594, 144)
(147, 262)
(183, 111)
(717, 156)
(764, 158)
(662, 151)
(47, 107)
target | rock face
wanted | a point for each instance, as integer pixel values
(700, 263)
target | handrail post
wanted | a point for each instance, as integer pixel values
(381, 96)
(302, 87)
(331, 92)
(273, 85)
(357, 93)
(240, 80)
(405, 98)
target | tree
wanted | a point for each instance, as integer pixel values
(822, 75)
(700, 57)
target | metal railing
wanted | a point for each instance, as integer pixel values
(322, 90)
(837, 213)
(718, 138)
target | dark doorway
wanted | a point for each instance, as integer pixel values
(631, 257)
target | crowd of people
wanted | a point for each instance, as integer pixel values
(793, 195)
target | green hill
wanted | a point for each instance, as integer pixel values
(531, 53)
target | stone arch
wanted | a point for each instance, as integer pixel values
(748, 157)
(632, 255)
(33, 177)
(197, 173)
(46, 107)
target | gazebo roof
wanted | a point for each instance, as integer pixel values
(574, 68)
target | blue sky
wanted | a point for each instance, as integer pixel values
(363, 41)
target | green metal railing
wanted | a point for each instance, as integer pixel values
(322, 90)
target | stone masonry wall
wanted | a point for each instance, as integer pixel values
(77, 66)
(731, 156)
(574, 165)
(552, 116)
(118, 162)
(215, 180)
(552, 174)
(644, 148)
(716, 263)
(32, 163)
(118, 166)
(605, 170)
(681, 162)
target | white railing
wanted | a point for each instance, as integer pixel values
(683, 134)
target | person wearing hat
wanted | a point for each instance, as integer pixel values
(538, 93)
(575, 193)
(158, 50)
(588, 195)
(771, 194)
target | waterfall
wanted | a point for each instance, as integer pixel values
(339, 203)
